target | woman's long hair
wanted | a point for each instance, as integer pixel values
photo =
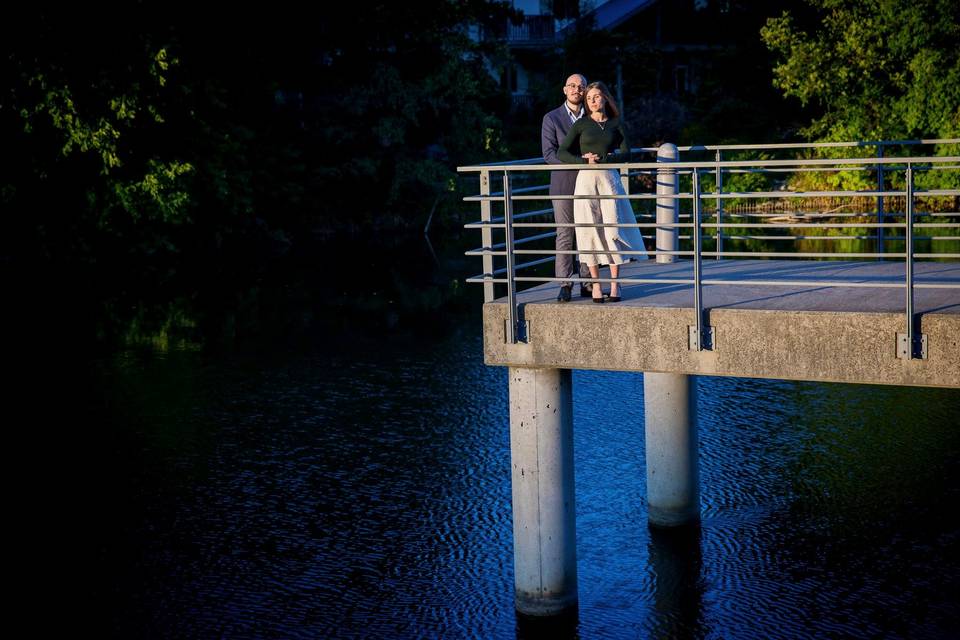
(610, 108)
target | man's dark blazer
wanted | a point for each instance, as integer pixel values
(556, 124)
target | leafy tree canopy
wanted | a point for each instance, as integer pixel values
(874, 69)
(150, 147)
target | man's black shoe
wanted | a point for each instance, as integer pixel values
(586, 291)
(564, 295)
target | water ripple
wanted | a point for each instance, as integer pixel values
(367, 495)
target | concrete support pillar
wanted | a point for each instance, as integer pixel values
(670, 414)
(672, 448)
(544, 524)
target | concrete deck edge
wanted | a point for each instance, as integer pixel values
(824, 346)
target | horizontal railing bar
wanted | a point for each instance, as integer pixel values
(807, 225)
(741, 254)
(710, 236)
(479, 251)
(539, 187)
(651, 252)
(743, 237)
(799, 214)
(802, 214)
(590, 225)
(479, 224)
(525, 265)
(803, 254)
(729, 195)
(497, 249)
(788, 214)
(587, 225)
(918, 161)
(760, 147)
(867, 167)
(707, 171)
(775, 283)
(767, 254)
(632, 196)
(623, 252)
(804, 145)
(722, 225)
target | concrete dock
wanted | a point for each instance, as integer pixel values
(800, 332)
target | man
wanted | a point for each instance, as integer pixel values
(556, 124)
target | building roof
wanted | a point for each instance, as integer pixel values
(611, 14)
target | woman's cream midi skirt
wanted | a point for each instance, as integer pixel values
(609, 241)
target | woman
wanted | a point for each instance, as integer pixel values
(598, 138)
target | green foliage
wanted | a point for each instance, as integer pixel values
(97, 129)
(165, 151)
(159, 191)
(876, 70)
(748, 181)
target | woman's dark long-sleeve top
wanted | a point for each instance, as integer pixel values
(604, 141)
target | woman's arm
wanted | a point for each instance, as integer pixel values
(622, 152)
(570, 147)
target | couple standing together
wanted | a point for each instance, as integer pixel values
(586, 128)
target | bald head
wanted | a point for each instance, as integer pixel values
(573, 89)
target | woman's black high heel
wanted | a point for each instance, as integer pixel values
(613, 298)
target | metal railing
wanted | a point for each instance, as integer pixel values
(668, 226)
(879, 147)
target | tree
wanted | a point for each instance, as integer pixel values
(874, 69)
(162, 152)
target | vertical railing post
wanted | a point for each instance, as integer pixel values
(910, 345)
(909, 248)
(512, 326)
(486, 235)
(699, 338)
(719, 204)
(880, 201)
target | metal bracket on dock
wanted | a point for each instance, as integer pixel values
(918, 350)
(700, 343)
(521, 334)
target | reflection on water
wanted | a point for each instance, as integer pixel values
(362, 490)
(676, 560)
(559, 627)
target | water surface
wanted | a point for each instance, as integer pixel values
(362, 490)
